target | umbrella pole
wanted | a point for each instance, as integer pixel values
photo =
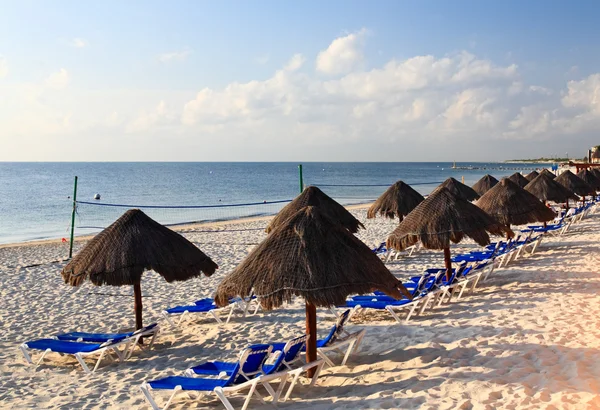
(311, 330)
(137, 293)
(448, 263)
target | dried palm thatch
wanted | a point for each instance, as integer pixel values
(310, 256)
(132, 244)
(572, 182)
(121, 253)
(443, 218)
(547, 172)
(459, 189)
(547, 189)
(512, 205)
(396, 202)
(313, 196)
(595, 171)
(532, 175)
(589, 177)
(519, 179)
(484, 184)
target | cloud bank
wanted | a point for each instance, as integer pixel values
(330, 106)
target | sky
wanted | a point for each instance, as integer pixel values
(298, 80)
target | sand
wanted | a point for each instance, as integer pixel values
(528, 338)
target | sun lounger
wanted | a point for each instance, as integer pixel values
(339, 339)
(246, 374)
(80, 350)
(208, 308)
(240, 376)
(133, 338)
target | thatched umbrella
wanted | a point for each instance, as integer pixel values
(312, 256)
(572, 182)
(589, 177)
(459, 189)
(595, 171)
(313, 196)
(119, 255)
(512, 205)
(519, 179)
(396, 202)
(546, 171)
(484, 184)
(547, 189)
(443, 218)
(532, 175)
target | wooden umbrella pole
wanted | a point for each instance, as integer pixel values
(311, 330)
(137, 293)
(448, 263)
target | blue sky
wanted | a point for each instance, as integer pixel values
(279, 80)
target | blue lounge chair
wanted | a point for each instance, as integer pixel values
(239, 377)
(209, 308)
(80, 350)
(133, 338)
(339, 339)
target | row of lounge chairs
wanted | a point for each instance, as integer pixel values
(431, 289)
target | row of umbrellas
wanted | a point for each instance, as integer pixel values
(310, 250)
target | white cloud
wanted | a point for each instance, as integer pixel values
(3, 67)
(295, 62)
(79, 43)
(58, 80)
(584, 94)
(459, 104)
(181, 55)
(343, 54)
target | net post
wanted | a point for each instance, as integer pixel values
(301, 179)
(73, 218)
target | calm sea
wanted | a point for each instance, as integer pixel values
(35, 198)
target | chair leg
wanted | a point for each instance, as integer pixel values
(26, 354)
(86, 369)
(412, 310)
(168, 319)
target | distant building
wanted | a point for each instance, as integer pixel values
(596, 154)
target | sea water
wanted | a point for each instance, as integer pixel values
(36, 198)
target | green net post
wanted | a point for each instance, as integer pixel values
(73, 218)
(301, 180)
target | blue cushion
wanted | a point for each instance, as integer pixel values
(191, 308)
(60, 346)
(214, 368)
(187, 383)
(93, 337)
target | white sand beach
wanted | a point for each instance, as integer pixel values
(528, 338)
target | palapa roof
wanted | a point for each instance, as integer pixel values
(575, 184)
(546, 171)
(310, 256)
(313, 196)
(595, 171)
(590, 178)
(519, 179)
(532, 175)
(512, 205)
(397, 201)
(484, 184)
(547, 189)
(133, 243)
(460, 189)
(443, 218)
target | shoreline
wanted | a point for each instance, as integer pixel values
(177, 228)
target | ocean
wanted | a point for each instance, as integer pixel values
(36, 198)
